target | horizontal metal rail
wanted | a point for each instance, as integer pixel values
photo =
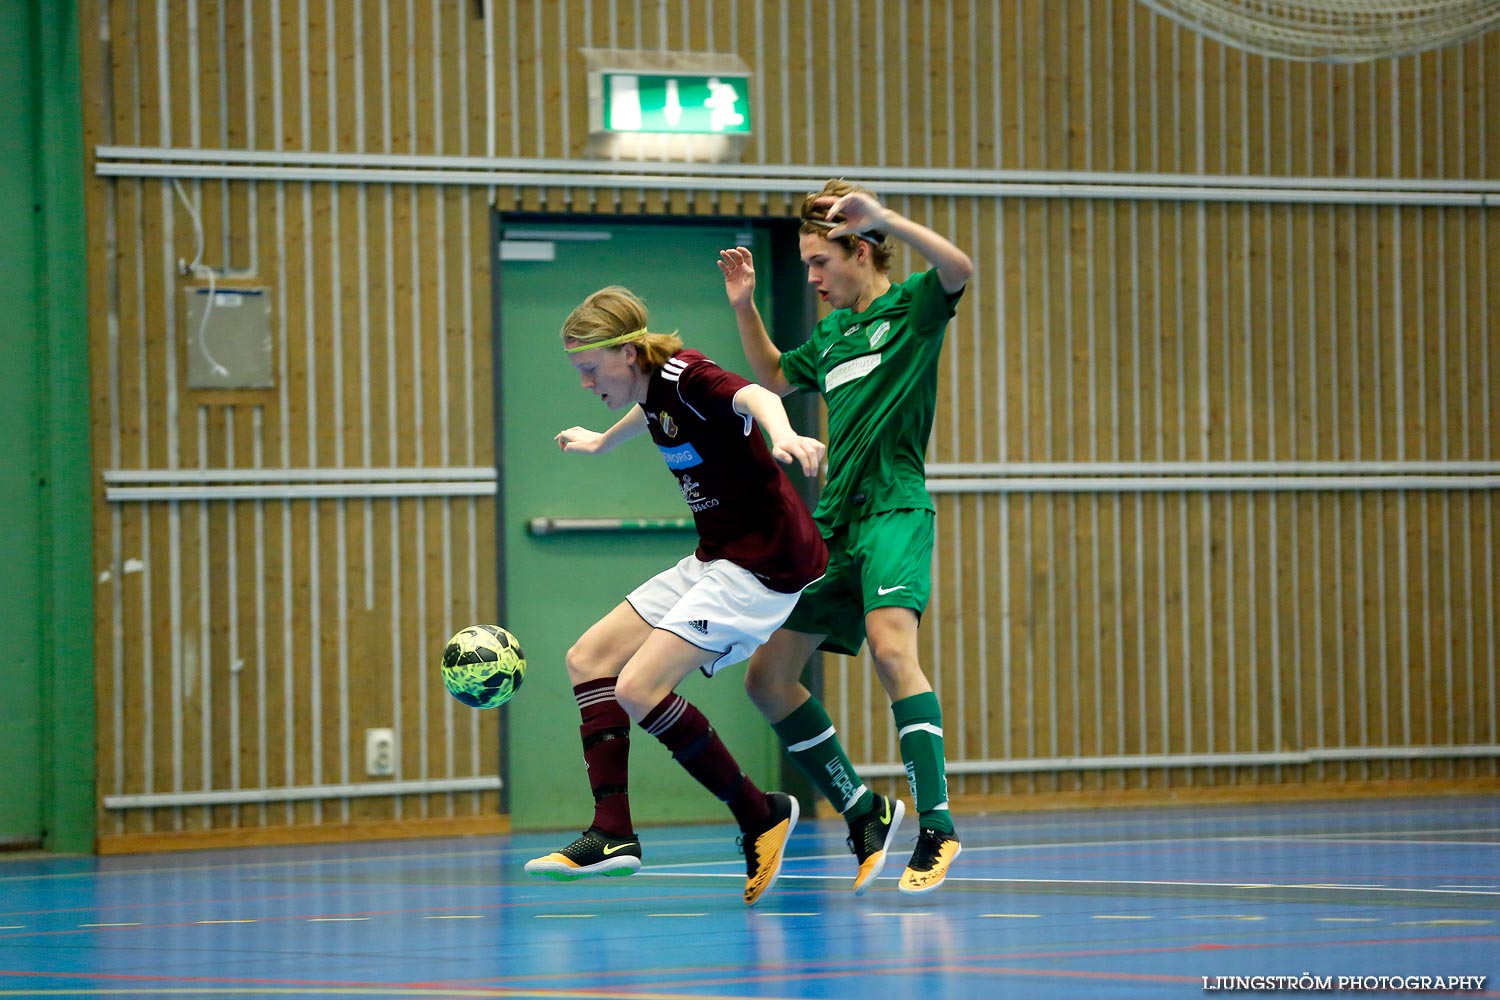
(1129, 761)
(791, 171)
(301, 793)
(1208, 484)
(566, 525)
(1246, 468)
(298, 475)
(361, 168)
(298, 491)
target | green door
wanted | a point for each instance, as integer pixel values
(557, 585)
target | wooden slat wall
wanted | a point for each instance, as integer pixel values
(260, 638)
(1127, 330)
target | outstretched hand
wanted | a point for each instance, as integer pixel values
(579, 439)
(805, 451)
(739, 275)
(860, 212)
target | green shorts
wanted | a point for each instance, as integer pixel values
(882, 561)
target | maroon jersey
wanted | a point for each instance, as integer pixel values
(744, 507)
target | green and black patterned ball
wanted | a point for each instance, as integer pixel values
(483, 666)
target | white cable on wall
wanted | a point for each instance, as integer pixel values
(198, 269)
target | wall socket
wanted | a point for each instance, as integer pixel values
(380, 752)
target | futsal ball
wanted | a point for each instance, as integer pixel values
(483, 666)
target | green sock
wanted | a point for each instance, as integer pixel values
(812, 741)
(919, 722)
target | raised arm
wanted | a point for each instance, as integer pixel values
(786, 444)
(739, 285)
(862, 212)
(587, 442)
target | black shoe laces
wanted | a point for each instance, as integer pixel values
(869, 832)
(929, 845)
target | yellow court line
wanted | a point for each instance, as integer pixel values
(455, 916)
(1122, 916)
(1013, 916)
(223, 921)
(125, 924)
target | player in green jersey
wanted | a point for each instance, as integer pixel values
(874, 358)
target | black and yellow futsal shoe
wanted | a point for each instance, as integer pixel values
(594, 853)
(870, 839)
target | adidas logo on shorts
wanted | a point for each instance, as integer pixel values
(700, 626)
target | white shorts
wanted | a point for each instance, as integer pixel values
(717, 606)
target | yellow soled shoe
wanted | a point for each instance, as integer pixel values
(594, 853)
(765, 847)
(870, 839)
(929, 862)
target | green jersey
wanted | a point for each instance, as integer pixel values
(877, 371)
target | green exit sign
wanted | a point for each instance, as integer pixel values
(712, 104)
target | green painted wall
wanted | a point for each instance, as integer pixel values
(46, 609)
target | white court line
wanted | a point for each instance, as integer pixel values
(1171, 841)
(1168, 883)
(1339, 838)
(1333, 885)
(1373, 833)
(982, 848)
(349, 863)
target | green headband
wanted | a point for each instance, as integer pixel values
(611, 342)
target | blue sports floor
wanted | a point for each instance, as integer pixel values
(1095, 904)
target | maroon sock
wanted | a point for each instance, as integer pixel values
(606, 752)
(684, 731)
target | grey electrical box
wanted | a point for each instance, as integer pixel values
(229, 338)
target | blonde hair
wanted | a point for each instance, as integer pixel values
(616, 316)
(815, 220)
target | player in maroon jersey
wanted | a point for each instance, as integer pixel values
(757, 549)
